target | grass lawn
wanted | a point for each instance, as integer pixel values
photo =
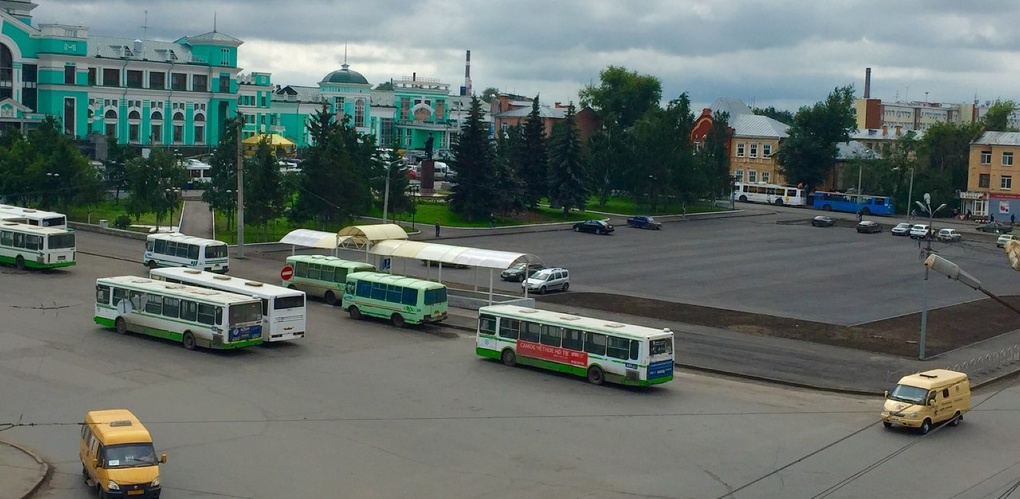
(109, 211)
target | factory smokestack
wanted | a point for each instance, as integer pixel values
(867, 83)
(466, 89)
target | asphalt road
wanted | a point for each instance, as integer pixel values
(360, 409)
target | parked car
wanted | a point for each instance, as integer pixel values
(901, 229)
(949, 235)
(515, 273)
(1005, 238)
(920, 231)
(547, 280)
(869, 227)
(996, 227)
(593, 226)
(822, 221)
(644, 222)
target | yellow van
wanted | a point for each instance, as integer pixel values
(117, 456)
(928, 398)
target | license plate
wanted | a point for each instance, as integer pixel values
(135, 492)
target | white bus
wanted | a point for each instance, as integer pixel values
(283, 310)
(769, 193)
(597, 349)
(173, 249)
(31, 216)
(322, 276)
(29, 246)
(191, 315)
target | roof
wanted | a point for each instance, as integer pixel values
(312, 238)
(733, 107)
(397, 280)
(332, 261)
(576, 321)
(999, 138)
(933, 378)
(132, 432)
(753, 125)
(183, 238)
(373, 233)
(523, 112)
(301, 93)
(275, 139)
(180, 290)
(115, 47)
(345, 75)
(211, 38)
(854, 149)
(448, 254)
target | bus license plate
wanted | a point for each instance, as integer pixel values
(135, 492)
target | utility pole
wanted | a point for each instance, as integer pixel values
(926, 206)
(386, 195)
(240, 191)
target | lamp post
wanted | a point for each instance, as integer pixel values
(55, 181)
(953, 271)
(230, 207)
(415, 188)
(926, 207)
(171, 196)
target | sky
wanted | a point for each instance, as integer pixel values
(768, 53)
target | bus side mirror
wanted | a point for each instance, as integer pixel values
(162, 458)
(95, 463)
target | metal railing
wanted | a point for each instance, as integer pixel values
(989, 361)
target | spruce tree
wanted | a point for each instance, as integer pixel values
(533, 167)
(567, 166)
(474, 194)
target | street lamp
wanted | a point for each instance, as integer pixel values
(171, 195)
(230, 207)
(55, 181)
(926, 207)
(953, 271)
(415, 188)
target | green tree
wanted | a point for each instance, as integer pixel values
(385, 86)
(996, 119)
(265, 195)
(489, 94)
(532, 155)
(115, 167)
(509, 189)
(17, 157)
(714, 157)
(785, 117)
(943, 156)
(221, 191)
(622, 96)
(607, 148)
(567, 166)
(808, 155)
(662, 166)
(473, 196)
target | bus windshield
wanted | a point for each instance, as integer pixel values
(288, 302)
(54, 222)
(61, 241)
(663, 346)
(130, 456)
(247, 312)
(216, 251)
(434, 296)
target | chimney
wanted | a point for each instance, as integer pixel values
(867, 83)
(414, 76)
(467, 74)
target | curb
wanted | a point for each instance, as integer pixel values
(45, 469)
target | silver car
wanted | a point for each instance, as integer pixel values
(901, 229)
(547, 280)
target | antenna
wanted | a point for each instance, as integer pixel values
(345, 52)
(214, 21)
(145, 26)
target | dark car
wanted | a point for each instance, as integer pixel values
(822, 221)
(869, 227)
(593, 226)
(644, 222)
(996, 227)
(515, 273)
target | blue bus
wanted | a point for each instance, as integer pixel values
(864, 204)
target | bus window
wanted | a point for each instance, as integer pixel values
(301, 269)
(509, 328)
(33, 242)
(183, 250)
(618, 348)
(487, 324)
(364, 289)
(171, 306)
(409, 297)
(634, 349)
(595, 343)
(434, 296)
(378, 291)
(393, 293)
(530, 331)
(193, 251)
(326, 273)
(207, 314)
(662, 346)
(103, 295)
(189, 310)
(154, 304)
(216, 251)
(552, 336)
(573, 339)
(314, 271)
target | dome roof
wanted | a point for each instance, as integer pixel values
(344, 75)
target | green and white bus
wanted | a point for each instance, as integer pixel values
(191, 315)
(597, 349)
(173, 249)
(30, 216)
(29, 246)
(402, 300)
(321, 276)
(283, 310)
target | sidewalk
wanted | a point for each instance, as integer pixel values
(21, 472)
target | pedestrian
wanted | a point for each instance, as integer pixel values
(991, 218)
(913, 213)
(860, 216)
(1012, 219)
(492, 220)
(437, 228)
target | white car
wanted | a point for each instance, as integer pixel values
(920, 231)
(1005, 238)
(949, 235)
(901, 229)
(547, 280)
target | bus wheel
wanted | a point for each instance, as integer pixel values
(925, 427)
(595, 375)
(826, 208)
(151, 264)
(742, 199)
(509, 358)
(330, 298)
(19, 262)
(865, 211)
(397, 320)
(354, 312)
(121, 325)
(956, 419)
(779, 202)
(189, 340)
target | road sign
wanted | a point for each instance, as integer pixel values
(287, 272)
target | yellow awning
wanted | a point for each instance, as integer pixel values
(275, 139)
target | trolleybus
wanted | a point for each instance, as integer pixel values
(402, 300)
(190, 315)
(597, 349)
(865, 204)
(29, 246)
(283, 310)
(173, 249)
(322, 276)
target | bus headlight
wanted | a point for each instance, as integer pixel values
(112, 485)
(155, 481)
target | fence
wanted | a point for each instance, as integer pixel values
(980, 369)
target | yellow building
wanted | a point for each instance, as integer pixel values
(753, 143)
(992, 166)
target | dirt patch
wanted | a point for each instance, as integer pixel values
(947, 329)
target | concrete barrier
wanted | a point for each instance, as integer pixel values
(107, 230)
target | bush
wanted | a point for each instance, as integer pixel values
(122, 222)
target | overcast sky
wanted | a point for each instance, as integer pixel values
(768, 53)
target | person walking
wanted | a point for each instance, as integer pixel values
(1012, 219)
(437, 228)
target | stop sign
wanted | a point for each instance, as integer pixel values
(287, 272)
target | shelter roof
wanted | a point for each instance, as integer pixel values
(451, 255)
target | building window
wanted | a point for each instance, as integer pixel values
(134, 78)
(752, 176)
(200, 83)
(111, 77)
(766, 176)
(766, 150)
(224, 57)
(1007, 159)
(69, 75)
(157, 81)
(69, 116)
(359, 113)
(754, 151)
(199, 134)
(110, 117)
(740, 150)
(984, 180)
(1006, 182)
(92, 77)
(178, 81)
(739, 174)
(224, 84)
(986, 157)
